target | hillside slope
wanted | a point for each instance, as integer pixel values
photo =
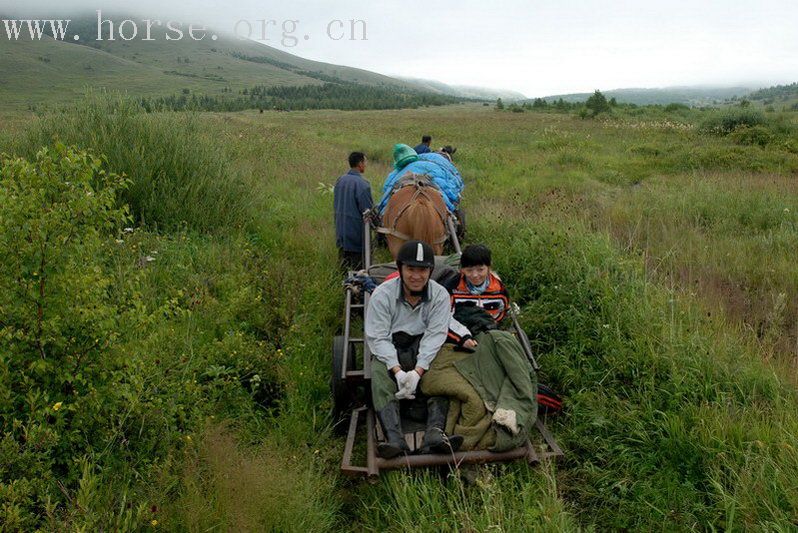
(48, 71)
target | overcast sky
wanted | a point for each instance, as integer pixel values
(534, 47)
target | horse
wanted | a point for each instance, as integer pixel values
(415, 210)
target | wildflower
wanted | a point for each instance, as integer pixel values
(128, 230)
(154, 522)
(149, 259)
(57, 406)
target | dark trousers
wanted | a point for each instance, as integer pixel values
(350, 260)
(383, 382)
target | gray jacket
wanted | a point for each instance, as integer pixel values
(388, 313)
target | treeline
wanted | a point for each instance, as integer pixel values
(596, 104)
(287, 66)
(780, 92)
(344, 96)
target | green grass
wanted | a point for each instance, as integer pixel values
(179, 176)
(648, 259)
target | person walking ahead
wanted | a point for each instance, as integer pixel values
(424, 148)
(351, 197)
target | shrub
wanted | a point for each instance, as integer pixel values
(673, 107)
(725, 122)
(755, 135)
(56, 321)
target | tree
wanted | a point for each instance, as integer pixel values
(597, 104)
(499, 103)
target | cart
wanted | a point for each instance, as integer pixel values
(351, 392)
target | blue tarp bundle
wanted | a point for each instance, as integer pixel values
(443, 173)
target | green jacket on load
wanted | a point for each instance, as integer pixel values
(504, 379)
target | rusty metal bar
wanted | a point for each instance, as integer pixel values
(372, 467)
(366, 240)
(556, 451)
(531, 454)
(366, 351)
(347, 324)
(375, 464)
(472, 457)
(346, 462)
(453, 234)
(522, 338)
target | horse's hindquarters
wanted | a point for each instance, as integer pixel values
(415, 212)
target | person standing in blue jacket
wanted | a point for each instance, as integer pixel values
(424, 148)
(351, 198)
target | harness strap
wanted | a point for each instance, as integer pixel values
(404, 237)
(421, 182)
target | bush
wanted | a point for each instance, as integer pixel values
(673, 107)
(725, 122)
(93, 412)
(57, 323)
(756, 135)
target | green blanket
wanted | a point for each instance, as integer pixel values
(504, 379)
(467, 413)
(491, 392)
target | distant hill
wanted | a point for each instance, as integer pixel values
(48, 71)
(694, 96)
(465, 91)
(776, 93)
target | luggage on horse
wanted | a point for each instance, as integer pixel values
(442, 173)
(419, 200)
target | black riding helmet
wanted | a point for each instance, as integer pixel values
(416, 254)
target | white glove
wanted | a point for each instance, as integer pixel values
(411, 382)
(401, 380)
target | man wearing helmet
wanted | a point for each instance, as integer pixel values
(411, 306)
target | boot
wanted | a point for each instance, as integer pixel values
(392, 428)
(435, 439)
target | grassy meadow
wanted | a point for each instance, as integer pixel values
(651, 257)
